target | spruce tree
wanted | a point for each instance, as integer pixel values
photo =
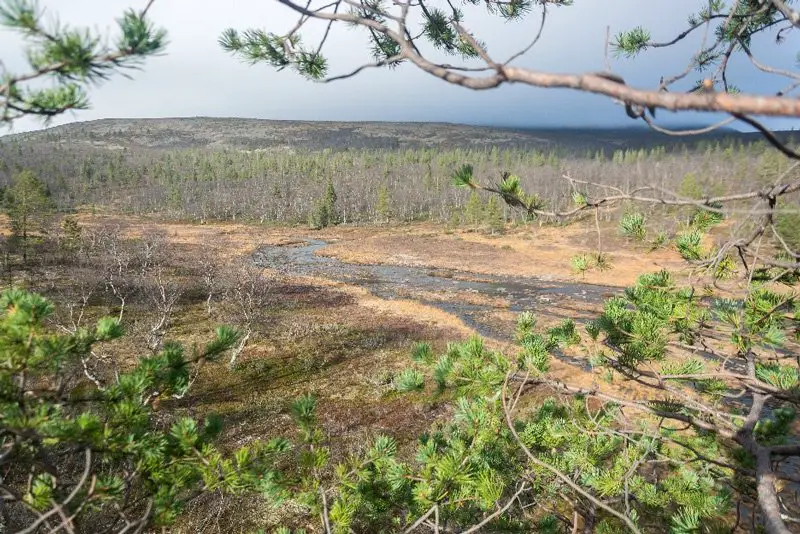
(325, 213)
(28, 206)
(383, 206)
(330, 199)
(493, 215)
(473, 211)
(71, 235)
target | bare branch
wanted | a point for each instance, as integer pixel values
(747, 104)
(84, 477)
(792, 15)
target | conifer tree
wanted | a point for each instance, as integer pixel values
(708, 439)
(70, 58)
(73, 457)
(473, 211)
(80, 459)
(28, 205)
(330, 204)
(325, 213)
(71, 238)
(383, 206)
(493, 214)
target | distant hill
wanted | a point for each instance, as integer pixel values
(254, 134)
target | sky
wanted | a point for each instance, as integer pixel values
(196, 78)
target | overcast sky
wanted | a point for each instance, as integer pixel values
(196, 78)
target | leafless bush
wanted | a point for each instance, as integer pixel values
(250, 294)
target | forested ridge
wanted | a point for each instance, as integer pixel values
(253, 134)
(380, 184)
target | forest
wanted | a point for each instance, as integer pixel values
(371, 185)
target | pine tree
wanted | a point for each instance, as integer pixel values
(383, 206)
(325, 212)
(71, 235)
(70, 58)
(28, 206)
(493, 215)
(473, 211)
(690, 188)
(80, 455)
(330, 204)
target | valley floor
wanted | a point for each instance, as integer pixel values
(336, 337)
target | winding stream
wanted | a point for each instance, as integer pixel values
(557, 299)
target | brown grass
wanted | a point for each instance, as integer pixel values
(535, 252)
(343, 343)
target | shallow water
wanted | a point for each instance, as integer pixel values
(393, 282)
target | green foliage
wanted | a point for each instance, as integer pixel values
(473, 211)
(725, 269)
(257, 46)
(638, 324)
(493, 215)
(632, 225)
(788, 226)
(579, 198)
(689, 245)
(602, 261)
(780, 376)
(438, 27)
(510, 190)
(182, 181)
(760, 320)
(111, 430)
(703, 219)
(325, 213)
(28, 205)
(632, 42)
(661, 240)
(581, 263)
(69, 58)
(478, 457)
(467, 463)
(526, 322)
(383, 206)
(409, 380)
(528, 451)
(690, 187)
(565, 333)
(463, 177)
(71, 231)
(422, 353)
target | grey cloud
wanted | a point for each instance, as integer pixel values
(196, 78)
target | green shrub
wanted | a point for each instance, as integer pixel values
(632, 225)
(109, 432)
(409, 380)
(688, 244)
(602, 262)
(703, 219)
(581, 263)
